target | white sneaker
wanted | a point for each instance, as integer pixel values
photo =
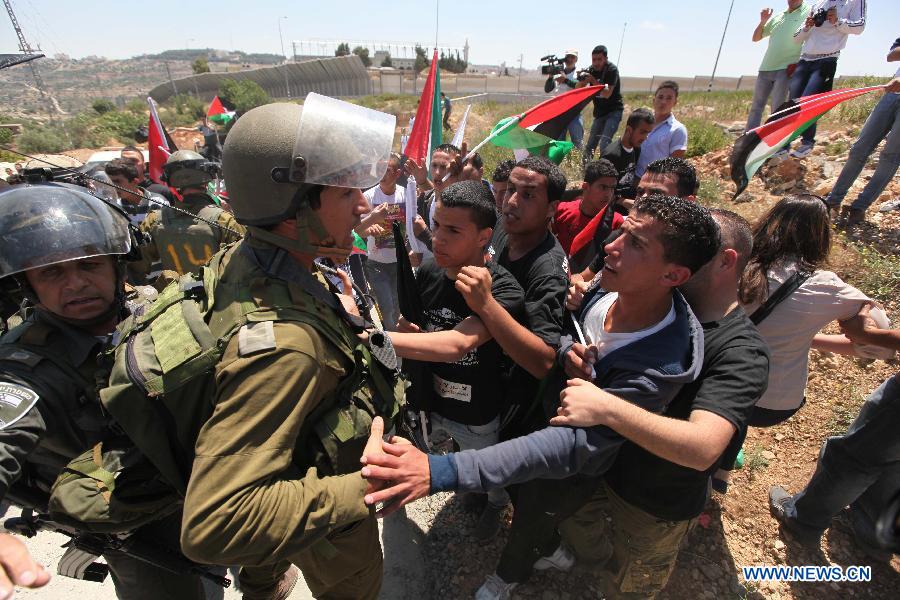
(561, 560)
(890, 205)
(494, 588)
(803, 150)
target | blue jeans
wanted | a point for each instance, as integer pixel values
(884, 122)
(769, 84)
(860, 468)
(383, 279)
(602, 131)
(813, 77)
(575, 128)
(473, 437)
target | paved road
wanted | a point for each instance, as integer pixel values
(401, 538)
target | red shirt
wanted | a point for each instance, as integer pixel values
(569, 221)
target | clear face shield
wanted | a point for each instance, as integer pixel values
(48, 224)
(341, 144)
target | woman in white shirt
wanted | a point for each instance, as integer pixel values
(794, 236)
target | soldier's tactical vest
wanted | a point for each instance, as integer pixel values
(33, 351)
(162, 391)
(185, 244)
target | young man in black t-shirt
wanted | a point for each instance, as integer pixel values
(465, 360)
(623, 153)
(608, 104)
(659, 482)
(525, 247)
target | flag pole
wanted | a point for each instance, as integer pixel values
(512, 122)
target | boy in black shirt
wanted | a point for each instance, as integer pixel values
(465, 360)
(623, 153)
(659, 483)
(525, 247)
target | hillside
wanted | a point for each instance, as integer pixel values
(75, 83)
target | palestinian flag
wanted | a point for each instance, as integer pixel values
(159, 144)
(589, 241)
(426, 134)
(785, 125)
(217, 113)
(538, 128)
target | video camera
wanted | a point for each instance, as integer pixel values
(554, 65)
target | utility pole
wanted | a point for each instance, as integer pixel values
(172, 81)
(281, 39)
(519, 80)
(719, 53)
(26, 48)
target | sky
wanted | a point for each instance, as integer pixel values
(662, 37)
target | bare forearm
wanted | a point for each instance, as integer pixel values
(675, 440)
(758, 32)
(886, 338)
(525, 348)
(839, 344)
(436, 346)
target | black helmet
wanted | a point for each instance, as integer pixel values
(52, 223)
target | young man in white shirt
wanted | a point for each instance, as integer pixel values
(669, 136)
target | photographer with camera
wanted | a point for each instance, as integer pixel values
(608, 105)
(562, 77)
(823, 35)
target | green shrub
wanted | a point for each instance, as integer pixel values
(136, 106)
(6, 135)
(242, 95)
(119, 125)
(102, 106)
(704, 136)
(41, 140)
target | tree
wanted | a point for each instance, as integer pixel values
(6, 135)
(363, 54)
(422, 61)
(343, 49)
(102, 105)
(242, 95)
(201, 65)
(387, 61)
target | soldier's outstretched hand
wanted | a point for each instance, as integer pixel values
(402, 471)
(18, 568)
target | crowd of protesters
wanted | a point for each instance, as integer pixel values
(594, 363)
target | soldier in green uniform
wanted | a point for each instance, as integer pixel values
(179, 242)
(63, 249)
(276, 475)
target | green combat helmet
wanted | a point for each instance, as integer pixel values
(187, 169)
(278, 157)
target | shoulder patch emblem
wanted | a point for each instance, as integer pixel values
(256, 337)
(15, 401)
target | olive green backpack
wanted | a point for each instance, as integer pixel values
(161, 391)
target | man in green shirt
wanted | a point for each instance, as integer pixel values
(783, 51)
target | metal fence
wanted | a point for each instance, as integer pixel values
(346, 76)
(339, 76)
(400, 82)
